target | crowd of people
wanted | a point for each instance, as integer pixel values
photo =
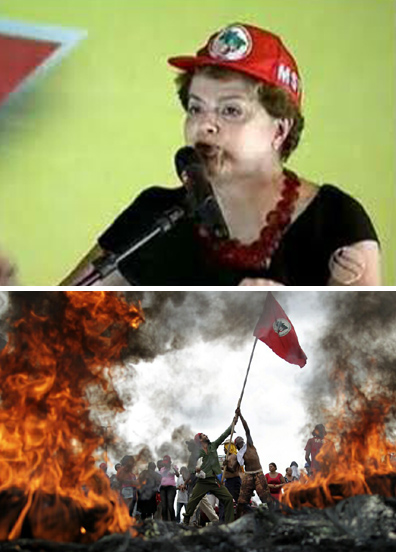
(211, 488)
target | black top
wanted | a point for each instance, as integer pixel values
(332, 219)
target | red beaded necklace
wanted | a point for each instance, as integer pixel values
(256, 255)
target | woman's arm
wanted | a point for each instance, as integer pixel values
(358, 264)
(85, 267)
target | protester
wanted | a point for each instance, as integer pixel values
(182, 492)
(96, 480)
(204, 504)
(127, 479)
(211, 502)
(114, 483)
(210, 468)
(103, 467)
(242, 95)
(168, 488)
(313, 446)
(149, 482)
(158, 513)
(295, 470)
(275, 481)
(192, 464)
(319, 451)
(253, 479)
(289, 477)
(232, 470)
(308, 470)
(205, 507)
(232, 475)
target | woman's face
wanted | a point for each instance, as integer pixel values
(289, 472)
(229, 127)
(272, 468)
(129, 464)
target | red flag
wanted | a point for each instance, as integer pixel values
(19, 57)
(275, 330)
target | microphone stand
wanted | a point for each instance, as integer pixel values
(107, 265)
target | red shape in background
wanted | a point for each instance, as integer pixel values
(19, 57)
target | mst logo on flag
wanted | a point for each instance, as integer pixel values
(275, 330)
(281, 326)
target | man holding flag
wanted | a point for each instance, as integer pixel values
(207, 475)
(254, 478)
(275, 330)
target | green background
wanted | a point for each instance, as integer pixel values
(105, 123)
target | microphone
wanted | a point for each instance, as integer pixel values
(201, 200)
(200, 203)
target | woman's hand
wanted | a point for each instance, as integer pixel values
(356, 265)
(258, 282)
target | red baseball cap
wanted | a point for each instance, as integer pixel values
(250, 50)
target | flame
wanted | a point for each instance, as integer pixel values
(357, 456)
(62, 349)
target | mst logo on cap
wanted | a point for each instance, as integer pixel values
(232, 44)
(250, 50)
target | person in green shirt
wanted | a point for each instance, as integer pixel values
(208, 467)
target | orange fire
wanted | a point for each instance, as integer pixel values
(357, 456)
(60, 351)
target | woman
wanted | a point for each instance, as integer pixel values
(242, 96)
(127, 479)
(275, 481)
(114, 483)
(289, 477)
(149, 481)
(320, 452)
(168, 488)
(295, 470)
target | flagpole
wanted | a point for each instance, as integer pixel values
(247, 373)
(239, 404)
